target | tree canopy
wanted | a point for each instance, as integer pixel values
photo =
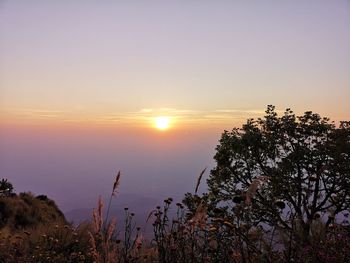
(6, 187)
(286, 172)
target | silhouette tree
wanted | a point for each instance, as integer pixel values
(286, 172)
(6, 187)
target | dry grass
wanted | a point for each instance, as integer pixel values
(204, 234)
(199, 179)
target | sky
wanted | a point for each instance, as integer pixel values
(81, 83)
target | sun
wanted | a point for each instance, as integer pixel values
(162, 123)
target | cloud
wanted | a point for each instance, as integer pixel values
(146, 110)
(36, 113)
(187, 115)
(257, 112)
(144, 115)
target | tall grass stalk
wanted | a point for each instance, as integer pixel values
(113, 193)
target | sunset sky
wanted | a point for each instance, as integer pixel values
(82, 82)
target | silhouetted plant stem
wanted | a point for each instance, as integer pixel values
(114, 191)
(108, 208)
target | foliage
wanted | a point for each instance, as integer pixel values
(109, 246)
(56, 243)
(33, 229)
(282, 174)
(23, 211)
(195, 237)
(6, 187)
(333, 246)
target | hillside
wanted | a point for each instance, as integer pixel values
(27, 211)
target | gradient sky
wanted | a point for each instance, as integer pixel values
(81, 81)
